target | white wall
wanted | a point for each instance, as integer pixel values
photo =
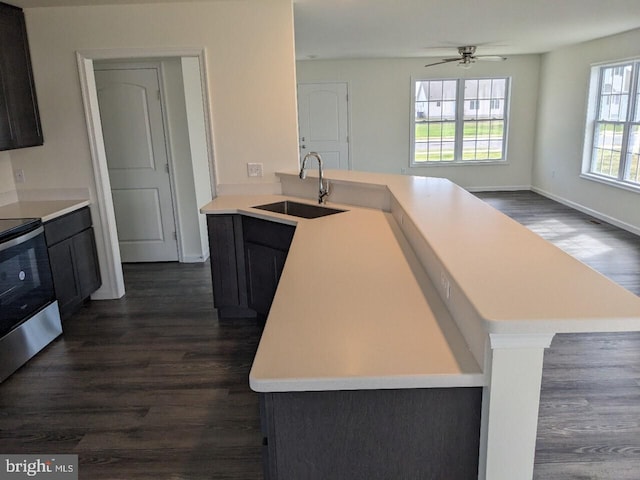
(8, 192)
(564, 82)
(380, 94)
(249, 46)
(251, 84)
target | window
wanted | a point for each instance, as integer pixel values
(613, 128)
(459, 120)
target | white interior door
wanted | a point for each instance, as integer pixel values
(323, 119)
(136, 149)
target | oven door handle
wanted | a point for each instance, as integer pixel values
(21, 239)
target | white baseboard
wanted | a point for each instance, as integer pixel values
(106, 293)
(601, 216)
(195, 258)
(501, 188)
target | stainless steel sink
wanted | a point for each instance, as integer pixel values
(302, 210)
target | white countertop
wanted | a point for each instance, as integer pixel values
(45, 210)
(355, 309)
(352, 311)
(516, 281)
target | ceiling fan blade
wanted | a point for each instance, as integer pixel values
(490, 58)
(444, 60)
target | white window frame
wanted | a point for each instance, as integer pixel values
(593, 105)
(460, 107)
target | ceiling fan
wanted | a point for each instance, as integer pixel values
(467, 58)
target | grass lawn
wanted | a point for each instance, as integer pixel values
(445, 131)
(473, 129)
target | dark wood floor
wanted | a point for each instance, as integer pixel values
(589, 422)
(153, 386)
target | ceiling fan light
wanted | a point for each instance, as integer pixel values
(465, 65)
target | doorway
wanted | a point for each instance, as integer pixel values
(323, 119)
(196, 180)
(131, 112)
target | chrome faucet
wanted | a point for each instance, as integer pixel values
(323, 191)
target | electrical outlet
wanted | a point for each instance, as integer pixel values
(19, 175)
(254, 169)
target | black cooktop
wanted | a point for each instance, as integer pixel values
(14, 227)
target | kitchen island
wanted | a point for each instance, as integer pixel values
(466, 298)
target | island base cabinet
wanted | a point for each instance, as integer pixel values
(226, 247)
(264, 267)
(247, 259)
(266, 245)
(429, 433)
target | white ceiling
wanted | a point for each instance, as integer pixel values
(419, 28)
(434, 28)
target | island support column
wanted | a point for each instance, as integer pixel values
(510, 404)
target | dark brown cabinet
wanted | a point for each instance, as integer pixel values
(73, 258)
(247, 259)
(266, 245)
(226, 248)
(264, 267)
(19, 116)
(430, 433)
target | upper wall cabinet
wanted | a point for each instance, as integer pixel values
(19, 117)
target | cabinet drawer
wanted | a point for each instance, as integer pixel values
(267, 233)
(67, 226)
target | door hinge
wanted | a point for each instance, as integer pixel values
(158, 95)
(175, 235)
(166, 167)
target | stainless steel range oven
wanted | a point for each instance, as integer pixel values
(29, 316)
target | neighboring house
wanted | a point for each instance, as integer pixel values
(436, 103)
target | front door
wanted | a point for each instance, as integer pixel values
(136, 149)
(323, 118)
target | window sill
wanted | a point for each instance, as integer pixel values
(612, 183)
(458, 164)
